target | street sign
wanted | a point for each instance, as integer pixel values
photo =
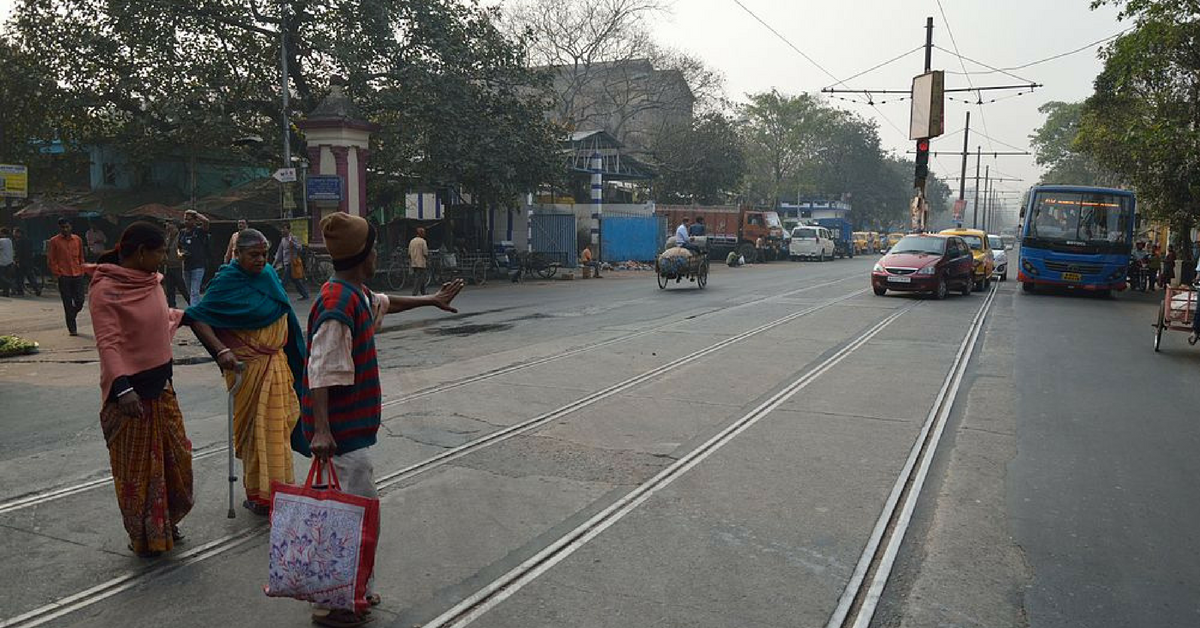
(324, 188)
(959, 207)
(928, 116)
(14, 181)
(285, 175)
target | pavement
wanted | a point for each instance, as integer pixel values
(746, 436)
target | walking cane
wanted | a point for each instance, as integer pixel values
(237, 384)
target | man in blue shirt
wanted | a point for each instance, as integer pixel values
(193, 248)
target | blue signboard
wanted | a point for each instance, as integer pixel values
(324, 187)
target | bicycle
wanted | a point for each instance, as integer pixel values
(540, 264)
(318, 267)
(396, 269)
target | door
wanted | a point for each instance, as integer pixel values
(554, 237)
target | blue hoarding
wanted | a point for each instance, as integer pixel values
(324, 187)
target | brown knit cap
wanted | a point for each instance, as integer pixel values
(345, 235)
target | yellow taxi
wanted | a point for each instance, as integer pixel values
(862, 243)
(892, 239)
(873, 241)
(984, 265)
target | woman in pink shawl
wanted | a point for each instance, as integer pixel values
(150, 453)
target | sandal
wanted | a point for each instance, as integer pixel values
(257, 508)
(1192, 339)
(341, 619)
(374, 599)
(176, 535)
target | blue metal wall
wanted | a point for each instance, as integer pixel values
(554, 235)
(626, 238)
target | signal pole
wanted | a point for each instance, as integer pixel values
(922, 167)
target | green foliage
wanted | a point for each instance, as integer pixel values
(780, 133)
(1141, 122)
(14, 345)
(703, 164)
(458, 105)
(1056, 149)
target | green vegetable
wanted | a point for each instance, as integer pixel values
(12, 345)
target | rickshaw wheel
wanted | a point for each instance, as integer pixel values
(702, 275)
(1159, 327)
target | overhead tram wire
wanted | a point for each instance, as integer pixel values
(1047, 59)
(954, 42)
(822, 68)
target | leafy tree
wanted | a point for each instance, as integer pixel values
(1142, 120)
(781, 134)
(703, 164)
(457, 102)
(1056, 149)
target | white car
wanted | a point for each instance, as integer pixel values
(811, 242)
(999, 255)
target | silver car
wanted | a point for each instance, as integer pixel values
(999, 256)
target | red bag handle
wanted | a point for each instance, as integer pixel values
(315, 471)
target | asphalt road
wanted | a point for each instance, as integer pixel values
(736, 446)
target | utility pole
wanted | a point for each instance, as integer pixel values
(287, 127)
(987, 192)
(962, 182)
(922, 168)
(975, 208)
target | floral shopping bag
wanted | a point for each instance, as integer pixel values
(322, 542)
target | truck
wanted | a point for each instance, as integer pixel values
(732, 228)
(843, 235)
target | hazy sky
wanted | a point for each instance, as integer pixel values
(849, 36)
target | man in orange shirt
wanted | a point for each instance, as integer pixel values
(65, 256)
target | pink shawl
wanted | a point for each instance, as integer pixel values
(131, 320)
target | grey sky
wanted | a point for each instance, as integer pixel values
(848, 36)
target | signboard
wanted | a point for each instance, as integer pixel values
(959, 207)
(285, 175)
(324, 188)
(928, 117)
(14, 181)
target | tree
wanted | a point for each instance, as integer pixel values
(1142, 120)
(703, 164)
(457, 102)
(607, 71)
(1057, 150)
(781, 134)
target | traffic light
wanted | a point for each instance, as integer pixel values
(922, 161)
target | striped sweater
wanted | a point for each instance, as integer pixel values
(354, 411)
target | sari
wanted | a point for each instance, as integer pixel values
(151, 455)
(252, 315)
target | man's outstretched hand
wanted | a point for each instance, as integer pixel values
(449, 290)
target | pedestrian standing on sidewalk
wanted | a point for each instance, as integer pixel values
(230, 249)
(148, 447)
(245, 316)
(193, 247)
(341, 407)
(97, 241)
(172, 269)
(288, 260)
(25, 268)
(418, 258)
(64, 253)
(7, 263)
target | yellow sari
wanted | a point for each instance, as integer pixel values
(265, 409)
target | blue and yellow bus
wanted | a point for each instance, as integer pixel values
(1076, 236)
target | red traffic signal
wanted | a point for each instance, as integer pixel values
(922, 145)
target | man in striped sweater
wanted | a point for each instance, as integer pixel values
(341, 406)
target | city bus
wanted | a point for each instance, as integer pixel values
(1076, 236)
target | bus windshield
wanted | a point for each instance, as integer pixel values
(1081, 218)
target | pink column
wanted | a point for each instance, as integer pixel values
(341, 158)
(363, 155)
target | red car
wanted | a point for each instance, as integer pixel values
(925, 263)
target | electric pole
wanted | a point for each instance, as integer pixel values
(975, 207)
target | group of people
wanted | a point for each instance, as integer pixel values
(314, 390)
(17, 267)
(1149, 269)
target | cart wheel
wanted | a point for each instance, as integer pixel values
(396, 278)
(546, 272)
(702, 275)
(1159, 327)
(479, 273)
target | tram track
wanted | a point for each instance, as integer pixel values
(103, 479)
(135, 578)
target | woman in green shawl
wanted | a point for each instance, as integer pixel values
(245, 317)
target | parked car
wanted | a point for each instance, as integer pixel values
(985, 267)
(811, 242)
(924, 262)
(999, 256)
